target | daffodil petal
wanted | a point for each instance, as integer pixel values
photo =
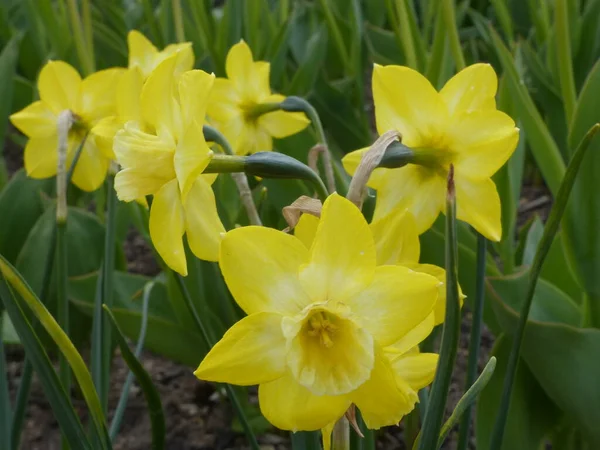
(59, 85)
(484, 141)
(351, 162)
(185, 56)
(194, 91)
(414, 337)
(133, 184)
(470, 89)
(383, 399)
(158, 105)
(419, 189)
(326, 435)
(417, 370)
(35, 120)
(395, 302)
(239, 61)
(224, 101)
(104, 132)
(290, 406)
(97, 97)
(396, 238)
(167, 226)
(192, 155)
(342, 257)
(281, 124)
(92, 166)
(395, 89)
(306, 229)
(478, 204)
(129, 89)
(204, 228)
(260, 266)
(41, 157)
(251, 352)
(142, 52)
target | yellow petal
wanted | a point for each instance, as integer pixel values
(129, 90)
(470, 89)
(194, 91)
(260, 266)
(383, 400)
(395, 302)
(35, 120)
(484, 140)
(134, 184)
(185, 56)
(92, 166)
(478, 204)
(41, 157)
(104, 132)
(250, 78)
(406, 101)
(414, 337)
(141, 52)
(328, 352)
(204, 228)
(351, 162)
(239, 60)
(59, 85)
(440, 275)
(290, 406)
(192, 155)
(342, 257)
(281, 124)
(167, 227)
(396, 238)
(224, 101)
(97, 98)
(136, 149)
(251, 352)
(417, 370)
(158, 104)
(306, 229)
(420, 190)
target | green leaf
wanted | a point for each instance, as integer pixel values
(9, 334)
(8, 65)
(5, 407)
(20, 207)
(564, 59)
(157, 418)
(64, 344)
(545, 151)
(558, 269)
(382, 46)
(582, 217)
(534, 236)
(531, 415)
(308, 69)
(64, 413)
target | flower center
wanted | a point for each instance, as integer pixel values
(320, 326)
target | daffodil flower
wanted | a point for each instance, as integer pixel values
(396, 242)
(459, 125)
(89, 100)
(164, 155)
(321, 323)
(235, 104)
(146, 57)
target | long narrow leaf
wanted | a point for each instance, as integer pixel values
(157, 418)
(64, 344)
(5, 408)
(59, 401)
(8, 64)
(563, 56)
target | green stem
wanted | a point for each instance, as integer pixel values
(474, 343)
(209, 344)
(451, 331)
(340, 437)
(85, 59)
(563, 54)
(552, 224)
(449, 15)
(62, 298)
(401, 27)
(178, 20)
(86, 15)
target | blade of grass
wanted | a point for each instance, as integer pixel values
(64, 413)
(64, 344)
(565, 61)
(178, 20)
(475, 339)
(85, 59)
(88, 32)
(398, 17)
(8, 66)
(503, 14)
(335, 33)
(120, 409)
(305, 440)
(450, 333)
(157, 418)
(449, 15)
(5, 406)
(550, 230)
(438, 49)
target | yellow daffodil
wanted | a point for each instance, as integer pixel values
(234, 103)
(459, 125)
(325, 325)
(89, 100)
(145, 56)
(164, 155)
(396, 242)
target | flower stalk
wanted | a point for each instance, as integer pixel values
(340, 439)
